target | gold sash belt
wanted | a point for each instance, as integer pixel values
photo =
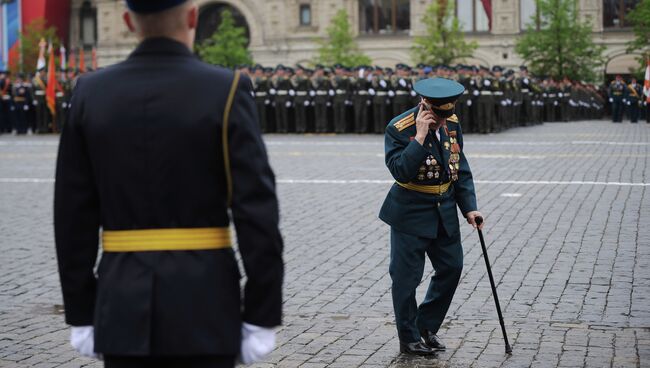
(150, 240)
(429, 189)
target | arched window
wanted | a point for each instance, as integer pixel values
(474, 15)
(210, 19)
(384, 16)
(88, 25)
(615, 12)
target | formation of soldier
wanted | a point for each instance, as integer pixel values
(24, 108)
(363, 99)
(630, 97)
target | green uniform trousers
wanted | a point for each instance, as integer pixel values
(407, 254)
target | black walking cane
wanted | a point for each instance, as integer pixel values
(479, 221)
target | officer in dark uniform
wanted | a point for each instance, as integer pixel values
(153, 170)
(616, 94)
(525, 88)
(424, 153)
(634, 98)
(301, 86)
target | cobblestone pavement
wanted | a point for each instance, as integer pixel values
(565, 206)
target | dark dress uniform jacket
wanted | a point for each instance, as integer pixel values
(417, 213)
(143, 150)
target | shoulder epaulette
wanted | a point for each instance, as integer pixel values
(453, 119)
(405, 122)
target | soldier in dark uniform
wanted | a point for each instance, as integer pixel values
(341, 85)
(401, 84)
(301, 86)
(616, 94)
(485, 112)
(321, 86)
(282, 86)
(361, 100)
(40, 103)
(22, 94)
(634, 98)
(464, 104)
(424, 153)
(156, 184)
(6, 103)
(525, 109)
(380, 101)
(261, 88)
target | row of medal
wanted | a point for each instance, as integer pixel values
(454, 158)
(431, 170)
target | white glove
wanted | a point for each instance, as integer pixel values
(257, 343)
(402, 82)
(476, 92)
(332, 93)
(82, 340)
(371, 91)
(469, 102)
(413, 93)
(487, 82)
(328, 104)
(391, 93)
(382, 83)
(368, 102)
(307, 103)
(266, 102)
(26, 107)
(272, 91)
(312, 93)
(287, 104)
(35, 103)
(560, 95)
(611, 100)
(292, 93)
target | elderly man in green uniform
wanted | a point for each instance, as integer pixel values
(424, 153)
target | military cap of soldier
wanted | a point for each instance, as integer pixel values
(157, 152)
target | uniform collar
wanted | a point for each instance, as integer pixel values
(161, 45)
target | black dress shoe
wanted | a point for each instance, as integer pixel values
(432, 340)
(415, 348)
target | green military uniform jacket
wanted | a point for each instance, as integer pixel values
(418, 213)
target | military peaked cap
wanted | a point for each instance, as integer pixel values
(441, 93)
(151, 6)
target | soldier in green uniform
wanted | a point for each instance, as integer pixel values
(300, 83)
(424, 153)
(380, 100)
(341, 86)
(321, 86)
(485, 111)
(40, 105)
(281, 86)
(261, 89)
(401, 84)
(361, 100)
(525, 108)
(634, 98)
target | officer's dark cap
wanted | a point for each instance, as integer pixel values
(441, 93)
(497, 68)
(523, 68)
(319, 66)
(152, 6)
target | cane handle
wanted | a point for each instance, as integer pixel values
(478, 220)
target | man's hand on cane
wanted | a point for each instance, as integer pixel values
(471, 219)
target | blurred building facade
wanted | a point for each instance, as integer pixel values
(283, 31)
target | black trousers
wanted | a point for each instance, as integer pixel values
(169, 362)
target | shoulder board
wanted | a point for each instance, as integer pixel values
(453, 119)
(405, 122)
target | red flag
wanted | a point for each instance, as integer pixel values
(94, 58)
(50, 92)
(487, 5)
(82, 61)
